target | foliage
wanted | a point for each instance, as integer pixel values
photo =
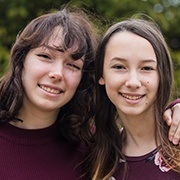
(15, 14)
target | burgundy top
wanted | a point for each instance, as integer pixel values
(173, 103)
(146, 167)
(37, 155)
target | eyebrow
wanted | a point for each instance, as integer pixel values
(124, 60)
(60, 49)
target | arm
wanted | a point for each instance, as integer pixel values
(172, 118)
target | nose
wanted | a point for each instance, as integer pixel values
(133, 81)
(56, 73)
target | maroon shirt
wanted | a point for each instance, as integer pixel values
(173, 103)
(37, 155)
(144, 168)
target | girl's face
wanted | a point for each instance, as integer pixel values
(50, 76)
(130, 73)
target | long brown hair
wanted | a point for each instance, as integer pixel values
(77, 30)
(107, 149)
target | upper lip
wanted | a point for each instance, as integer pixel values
(51, 88)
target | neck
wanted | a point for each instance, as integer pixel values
(34, 119)
(140, 132)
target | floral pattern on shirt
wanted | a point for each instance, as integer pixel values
(159, 162)
(111, 178)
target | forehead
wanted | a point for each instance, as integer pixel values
(57, 37)
(128, 45)
(126, 37)
(57, 40)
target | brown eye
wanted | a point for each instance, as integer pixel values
(118, 67)
(74, 66)
(44, 56)
(147, 68)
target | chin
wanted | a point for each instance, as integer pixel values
(131, 112)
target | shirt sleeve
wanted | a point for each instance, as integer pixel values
(173, 103)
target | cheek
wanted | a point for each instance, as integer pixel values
(28, 81)
(113, 82)
(73, 80)
(153, 84)
(111, 86)
(31, 74)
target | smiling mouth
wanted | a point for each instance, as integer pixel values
(131, 97)
(49, 90)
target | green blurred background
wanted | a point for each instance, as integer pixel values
(15, 14)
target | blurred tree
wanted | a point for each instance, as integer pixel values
(15, 14)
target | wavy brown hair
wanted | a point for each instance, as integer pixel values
(107, 149)
(78, 31)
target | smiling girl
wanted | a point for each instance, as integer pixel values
(46, 98)
(134, 77)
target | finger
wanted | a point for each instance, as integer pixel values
(167, 116)
(173, 116)
(174, 132)
(175, 125)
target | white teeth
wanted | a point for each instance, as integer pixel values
(53, 91)
(131, 97)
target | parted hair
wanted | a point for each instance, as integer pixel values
(107, 149)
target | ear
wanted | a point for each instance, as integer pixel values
(101, 81)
